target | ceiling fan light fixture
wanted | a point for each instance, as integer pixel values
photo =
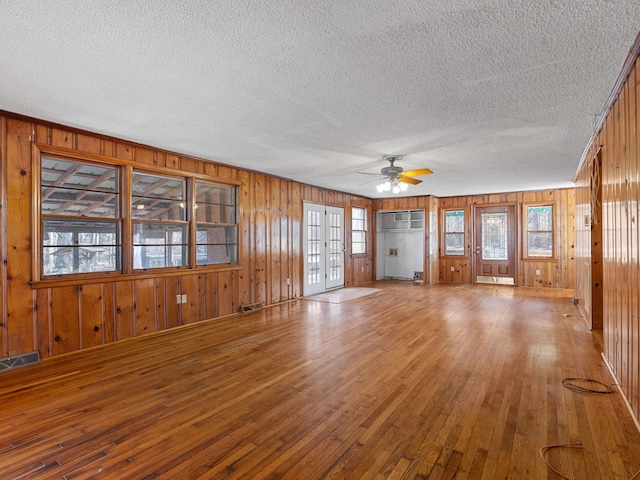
(396, 180)
(384, 186)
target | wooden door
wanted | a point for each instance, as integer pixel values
(494, 244)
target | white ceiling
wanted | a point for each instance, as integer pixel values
(492, 95)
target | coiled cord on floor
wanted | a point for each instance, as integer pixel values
(568, 382)
(544, 450)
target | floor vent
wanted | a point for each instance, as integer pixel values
(22, 360)
(251, 307)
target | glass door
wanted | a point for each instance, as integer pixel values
(323, 243)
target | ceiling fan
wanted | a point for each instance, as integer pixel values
(396, 179)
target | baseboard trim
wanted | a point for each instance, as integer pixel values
(626, 401)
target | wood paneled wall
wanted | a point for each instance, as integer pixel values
(558, 272)
(588, 238)
(66, 316)
(618, 139)
(554, 273)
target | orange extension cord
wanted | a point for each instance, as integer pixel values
(544, 450)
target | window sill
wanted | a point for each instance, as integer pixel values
(114, 277)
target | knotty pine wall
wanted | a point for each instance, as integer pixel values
(588, 233)
(617, 136)
(554, 273)
(66, 316)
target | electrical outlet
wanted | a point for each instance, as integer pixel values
(453, 269)
(178, 299)
(184, 298)
(537, 273)
(288, 281)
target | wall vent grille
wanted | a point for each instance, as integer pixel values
(22, 360)
(251, 307)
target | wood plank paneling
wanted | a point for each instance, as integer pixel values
(145, 306)
(554, 273)
(188, 310)
(65, 316)
(618, 138)
(92, 312)
(270, 251)
(125, 300)
(20, 297)
(4, 338)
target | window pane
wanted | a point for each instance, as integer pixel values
(454, 244)
(79, 203)
(215, 213)
(216, 244)
(540, 231)
(494, 236)
(157, 245)
(80, 246)
(540, 244)
(77, 199)
(157, 209)
(215, 194)
(454, 232)
(359, 237)
(76, 175)
(359, 248)
(454, 221)
(216, 217)
(540, 218)
(155, 186)
(358, 230)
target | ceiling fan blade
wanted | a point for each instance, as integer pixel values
(411, 180)
(415, 173)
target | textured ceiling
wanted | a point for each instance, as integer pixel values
(492, 95)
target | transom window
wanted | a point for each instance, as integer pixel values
(539, 235)
(454, 232)
(358, 230)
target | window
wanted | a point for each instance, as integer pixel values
(454, 232)
(539, 236)
(80, 214)
(102, 218)
(216, 224)
(159, 221)
(358, 230)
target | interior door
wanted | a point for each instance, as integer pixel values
(323, 242)
(494, 241)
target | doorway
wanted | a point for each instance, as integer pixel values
(323, 245)
(494, 242)
(400, 245)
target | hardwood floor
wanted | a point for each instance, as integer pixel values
(409, 382)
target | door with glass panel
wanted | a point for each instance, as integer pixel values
(323, 241)
(494, 244)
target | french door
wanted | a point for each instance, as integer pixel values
(494, 240)
(323, 245)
